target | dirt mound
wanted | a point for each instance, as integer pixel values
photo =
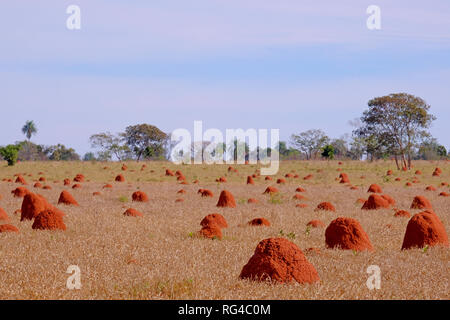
(67, 182)
(288, 175)
(437, 172)
(430, 188)
(424, 229)
(120, 178)
(76, 186)
(139, 196)
(420, 202)
(268, 178)
(221, 179)
(20, 192)
(206, 193)
(79, 178)
(271, 190)
(281, 180)
(66, 198)
(326, 206)
(347, 234)
(259, 222)
(211, 231)
(402, 213)
(8, 228)
(252, 200)
(21, 180)
(250, 180)
(316, 224)
(344, 178)
(214, 218)
(132, 213)
(124, 167)
(408, 184)
(226, 199)
(374, 188)
(181, 177)
(375, 202)
(300, 189)
(3, 215)
(279, 260)
(32, 205)
(169, 173)
(298, 196)
(49, 220)
(444, 194)
(389, 173)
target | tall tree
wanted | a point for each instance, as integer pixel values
(310, 142)
(145, 139)
(29, 129)
(110, 145)
(399, 121)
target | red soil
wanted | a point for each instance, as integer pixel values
(182, 191)
(308, 177)
(444, 194)
(389, 199)
(37, 185)
(107, 186)
(124, 167)
(279, 260)
(268, 178)
(430, 188)
(96, 193)
(76, 186)
(347, 234)
(66, 182)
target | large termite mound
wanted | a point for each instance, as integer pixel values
(214, 218)
(326, 206)
(66, 198)
(258, 222)
(424, 229)
(279, 260)
(226, 199)
(139, 196)
(347, 233)
(420, 202)
(375, 202)
(132, 213)
(49, 219)
(20, 192)
(32, 205)
(374, 188)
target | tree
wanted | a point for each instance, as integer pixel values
(10, 153)
(89, 156)
(110, 145)
(29, 129)
(328, 152)
(61, 153)
(430, 149)
(30, 151)
(310, 142)
(145, 139)
(398, 122)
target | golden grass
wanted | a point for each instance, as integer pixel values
(159, 256)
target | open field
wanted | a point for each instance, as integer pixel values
(159, 256)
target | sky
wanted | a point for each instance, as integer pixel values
(291, 65)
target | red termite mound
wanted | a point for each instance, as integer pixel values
(79, 178)
(226, 199)
(308, 177)
(326, 206)
(47, 188)
(252, 200)
(3, 215)
(66, 198)
(206, 193)
(437, 172)
(374, 188)
(347, 234)
(389, 173)
(389, 199)
(8, 228)
(124, 167)
(259, 222)
(221, 179)
(424, 228)
(21, 180)
(418, 172)
(20, 192)
(279, 260)
(444, 194)
(375, 202)
(402, 213)
(268, 178)
(37, 185)
(182, 191)
(250, 180)
(96, 193)
(214, 218)
(281, 180)
(398, 179)
(76, 186)
(32, 205)
(66, 182)
(120, 178)
(271, 190)
(300, 189)
(211, 231)
(139, 196)
(49, 220)
(169, 173)
(298, 196)
(107, 186)
(344, 178)
(316, 224)
(430, 188)
(132, 213)
(301, 205)
(420, 202)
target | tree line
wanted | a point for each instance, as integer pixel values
(394, 126)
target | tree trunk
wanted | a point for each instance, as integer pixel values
(404, 161)
(409, 161)
(396, 162)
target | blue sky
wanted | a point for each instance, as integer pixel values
(288, 64)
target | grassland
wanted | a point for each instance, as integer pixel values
(159, 255)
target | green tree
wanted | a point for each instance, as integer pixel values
(310, 142)
(110, 145)
(145, 139)
(399, 122)
(89, 156)
(61, 153)
(29, 129)
(328, 152)
(10, 153)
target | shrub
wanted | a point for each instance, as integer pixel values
(10, 153)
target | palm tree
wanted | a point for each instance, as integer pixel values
(29, 129)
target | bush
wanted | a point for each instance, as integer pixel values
(10, 153)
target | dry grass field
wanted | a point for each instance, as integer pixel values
(160, 256)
